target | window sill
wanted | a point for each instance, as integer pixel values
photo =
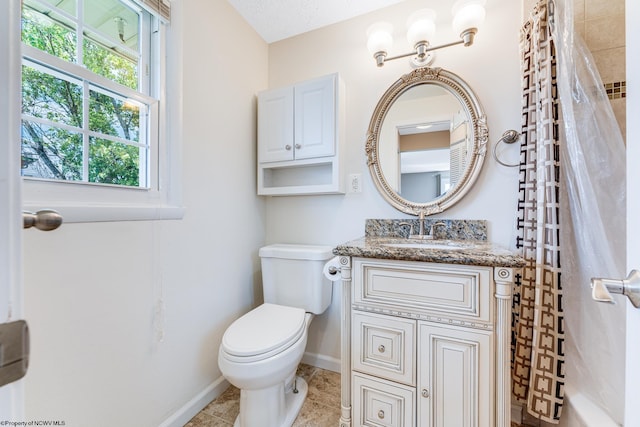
(110, 212)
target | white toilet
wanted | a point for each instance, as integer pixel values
(260, 351)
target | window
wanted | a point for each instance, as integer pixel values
(91, 79)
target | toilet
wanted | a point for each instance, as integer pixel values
(261, 350)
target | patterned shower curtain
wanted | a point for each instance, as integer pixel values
(537, 324)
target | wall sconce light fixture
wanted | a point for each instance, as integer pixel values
(468, 15)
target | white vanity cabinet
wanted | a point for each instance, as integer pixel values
(298, 138)
(428, 344)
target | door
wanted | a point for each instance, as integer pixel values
(10, 211)
(632, 373)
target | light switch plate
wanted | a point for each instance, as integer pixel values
(14, 351)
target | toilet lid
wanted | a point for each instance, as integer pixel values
(264, 329)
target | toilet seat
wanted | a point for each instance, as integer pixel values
(264, 331)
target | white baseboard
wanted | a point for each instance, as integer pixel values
(195, 405)
(321, 361)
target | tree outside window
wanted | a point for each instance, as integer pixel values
(76, 128)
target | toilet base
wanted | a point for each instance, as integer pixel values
(272, 398)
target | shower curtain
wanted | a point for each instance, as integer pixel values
(537, 334)
(571, 197)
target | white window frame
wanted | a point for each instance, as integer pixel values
(90, 202)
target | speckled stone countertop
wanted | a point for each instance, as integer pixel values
(461, 250)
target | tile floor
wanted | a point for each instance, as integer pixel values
(320, 409)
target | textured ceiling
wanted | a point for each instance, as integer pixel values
(279, 19)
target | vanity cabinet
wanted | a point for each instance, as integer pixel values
(298, 138)
(428, 344)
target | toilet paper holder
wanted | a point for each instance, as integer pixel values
(333, 270)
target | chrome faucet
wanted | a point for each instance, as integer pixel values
(421, 230)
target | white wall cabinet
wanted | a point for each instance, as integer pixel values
(428, 344)
(299, 138)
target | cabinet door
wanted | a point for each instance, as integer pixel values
(275, 125)
(454, 377)
(315, 118)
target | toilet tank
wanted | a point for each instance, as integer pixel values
(292, 275)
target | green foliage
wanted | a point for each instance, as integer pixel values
(112, 66)
(113, 163)
(57, 153)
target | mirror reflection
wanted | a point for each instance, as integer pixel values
(424, 143)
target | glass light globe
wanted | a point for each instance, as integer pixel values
(468, 14)
(379, 37)
(421, 26)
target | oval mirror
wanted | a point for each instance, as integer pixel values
(426, 141)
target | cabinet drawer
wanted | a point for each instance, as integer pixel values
(377, 402)
(451, 291)
(384, 346)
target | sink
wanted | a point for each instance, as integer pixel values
(443, 245)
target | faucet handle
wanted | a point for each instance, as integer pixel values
(433, 227)
(402, 224)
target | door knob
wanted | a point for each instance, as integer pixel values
(45, 220)
(601, 289)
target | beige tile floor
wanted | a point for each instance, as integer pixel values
(320, 409)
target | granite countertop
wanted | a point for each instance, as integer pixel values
(468, 252)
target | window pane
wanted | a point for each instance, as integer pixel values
(68, 6)
(114, 117)
(52, 98)
(114, 163)
(111, 63)
(113, 19)
(50, 152)
(111, 41)
(50, 33)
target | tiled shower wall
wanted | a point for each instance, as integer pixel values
(601, 24)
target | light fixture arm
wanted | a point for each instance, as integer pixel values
(421, 50)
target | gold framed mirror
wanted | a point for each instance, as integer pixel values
(426, 141)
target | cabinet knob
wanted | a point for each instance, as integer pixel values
(287, 147)
(381, 414)
(298, 146)
(425, 392)
(381, 348)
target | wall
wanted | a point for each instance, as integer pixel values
(490, 66)
(601, 24)
(126, 317)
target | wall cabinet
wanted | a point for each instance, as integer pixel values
(299, 138)
(428, 344)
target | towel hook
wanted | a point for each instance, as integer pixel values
(509, 137)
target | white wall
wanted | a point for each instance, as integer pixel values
(93, 291)
(490, 66)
